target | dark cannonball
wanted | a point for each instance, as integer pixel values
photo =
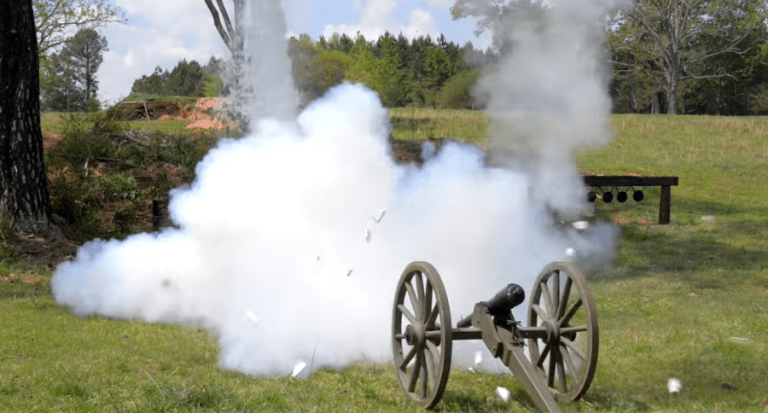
(591, 196)
(608, 197)
(621, 197)
(638, 196)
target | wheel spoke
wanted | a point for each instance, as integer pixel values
(569, 362)
(566, 318)
(560, 370)
(434, 351)
(555, 294)
(431, 370)
(542, 315)
(408, 358)
(415, 372)
(414, 300)
(424, 376)
(547, 297)
(432, 317)
(406, 313)
(571, 345)
(543, 356)
(419, 306)
(551, 370)
(564, 300)
(427, 303)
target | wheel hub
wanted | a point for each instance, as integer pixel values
(415, 334)
(553, 331)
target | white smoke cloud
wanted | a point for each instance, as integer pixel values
(548, 95)
(283, 250)
(274, 223)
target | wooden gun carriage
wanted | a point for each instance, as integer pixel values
(561, 334)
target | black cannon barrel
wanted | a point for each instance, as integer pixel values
(508, 298)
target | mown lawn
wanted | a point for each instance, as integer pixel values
(687, 300)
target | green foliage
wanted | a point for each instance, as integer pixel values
(186, 79)
(86, 139)
(55, 19)
(402, 72)
(456, 92)
(68, 78)
(699, 55)
(211, 85)
(759, 101)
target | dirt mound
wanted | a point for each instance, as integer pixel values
(149, 110)
(50, 140)
(206, 113)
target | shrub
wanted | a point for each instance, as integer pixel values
(455, 93)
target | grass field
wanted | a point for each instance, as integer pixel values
(687, 300)
(406, 123)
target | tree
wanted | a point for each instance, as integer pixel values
(153, 84)
(24, 199)
(54, 19)
(490, 14)
(456, 93)
(185, 79)
(671, 40)
(234, 35)
(60, 91)
(68, 80)
(84, 53)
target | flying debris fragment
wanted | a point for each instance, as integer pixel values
(252, 317)
(298, 369)
(674, 385)
(380, 215)
(581, 224)
(478, 359)
(349, 273)
(502, 393)
(367, 235)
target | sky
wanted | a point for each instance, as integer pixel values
(162, 32)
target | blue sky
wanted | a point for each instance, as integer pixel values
(162, 32)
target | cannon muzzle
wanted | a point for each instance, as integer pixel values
(505, 300)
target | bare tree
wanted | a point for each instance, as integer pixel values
(670, 39)
(57, 20)
(233, 36)
(24, 199)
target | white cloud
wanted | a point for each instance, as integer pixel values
(441, 3)
(160, 33)
(377, 17)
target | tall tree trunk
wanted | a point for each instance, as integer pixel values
(24, 199)
(673, 87)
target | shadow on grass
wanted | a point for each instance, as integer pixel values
(18, 290)
(706, 254)
(608, 399)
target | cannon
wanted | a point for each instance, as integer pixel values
(561, 335)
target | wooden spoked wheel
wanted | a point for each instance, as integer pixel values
(421, 334)
(562, 307)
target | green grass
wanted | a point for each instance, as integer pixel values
(685, 300)
(180, 101)
(52, 122)
(420, 123)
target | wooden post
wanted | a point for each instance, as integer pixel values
(664, 204)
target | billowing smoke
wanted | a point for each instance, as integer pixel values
(292, 240)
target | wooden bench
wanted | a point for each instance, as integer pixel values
(665, 182)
